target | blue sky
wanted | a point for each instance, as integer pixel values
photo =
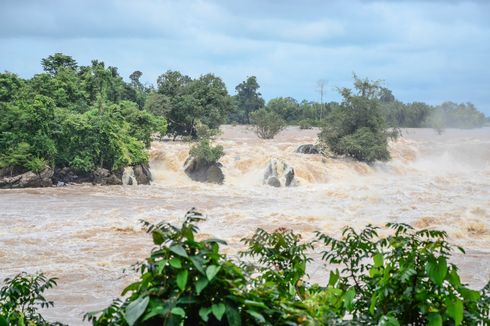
(428, 51)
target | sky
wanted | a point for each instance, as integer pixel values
(430, 51)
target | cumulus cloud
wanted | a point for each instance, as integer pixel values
(425, 50)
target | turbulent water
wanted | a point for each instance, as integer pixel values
(86, 235)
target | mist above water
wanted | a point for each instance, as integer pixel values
(86, 235)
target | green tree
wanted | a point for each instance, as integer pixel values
(185, 102)
(247, 100)
(357, 128)
(54, 63)
(286, 107)
(267, 124)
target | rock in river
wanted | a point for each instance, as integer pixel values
(279, 174)
(203, 171)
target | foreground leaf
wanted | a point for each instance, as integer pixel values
(135, 309)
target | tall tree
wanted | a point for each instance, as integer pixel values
(54, 63)
(248, 99)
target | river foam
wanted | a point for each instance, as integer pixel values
(86, 235)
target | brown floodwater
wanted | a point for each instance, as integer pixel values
(86, 235)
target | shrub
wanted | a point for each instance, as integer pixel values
(403, 279)
(189, 281)
(205, 151)
(20, 298)
(36, 165)
(305, 124)
(267, 124)
(356, 128)
(204, 132)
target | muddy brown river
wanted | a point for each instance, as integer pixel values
(86, 235)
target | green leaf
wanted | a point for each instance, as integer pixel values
(161, 266)
(201, 284)
(470, 295)
(131, 287)
(233, 316)
(378, 260)
(348, 298)
(158, 237)
(437, 270)
(182, 279)
(455, 310)
(211, 271)
(204, 313)
(218, 310)
(334, 277)
(178, 311)
(372, 306)
(454, 278)
(175, 262)
(257, 316)
(179, 250)
(135, 309)
(434, 319)
(197, 261)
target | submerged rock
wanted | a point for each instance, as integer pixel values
(28, 180)
(279, 174)
(203, 171)
(308, 149)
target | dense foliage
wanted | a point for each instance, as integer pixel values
(81, 117)
(22, 296)
(267, 124)
(186, 102)
(204, 151)
(357, 128)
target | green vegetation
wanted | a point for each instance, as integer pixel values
(267, 124)
(22, 296)
(187, 102)
(204, 151)
(356, 128)
(401, 278)
(82, 117)
(247, 100)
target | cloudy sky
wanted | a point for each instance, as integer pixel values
(428, 51)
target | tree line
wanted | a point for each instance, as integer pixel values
(86, 117)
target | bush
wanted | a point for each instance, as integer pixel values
(21, 297)
(204, 151)
(356, 128)
(305, 124)
(267, 124)
(190, 282)
(403, 279)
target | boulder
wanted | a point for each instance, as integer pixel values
(203, 171)
(279, 174)
(28, 180)
(142, 174)
(68, 175)
(105, 178)
(308, 149)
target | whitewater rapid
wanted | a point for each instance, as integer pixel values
(86, 235)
